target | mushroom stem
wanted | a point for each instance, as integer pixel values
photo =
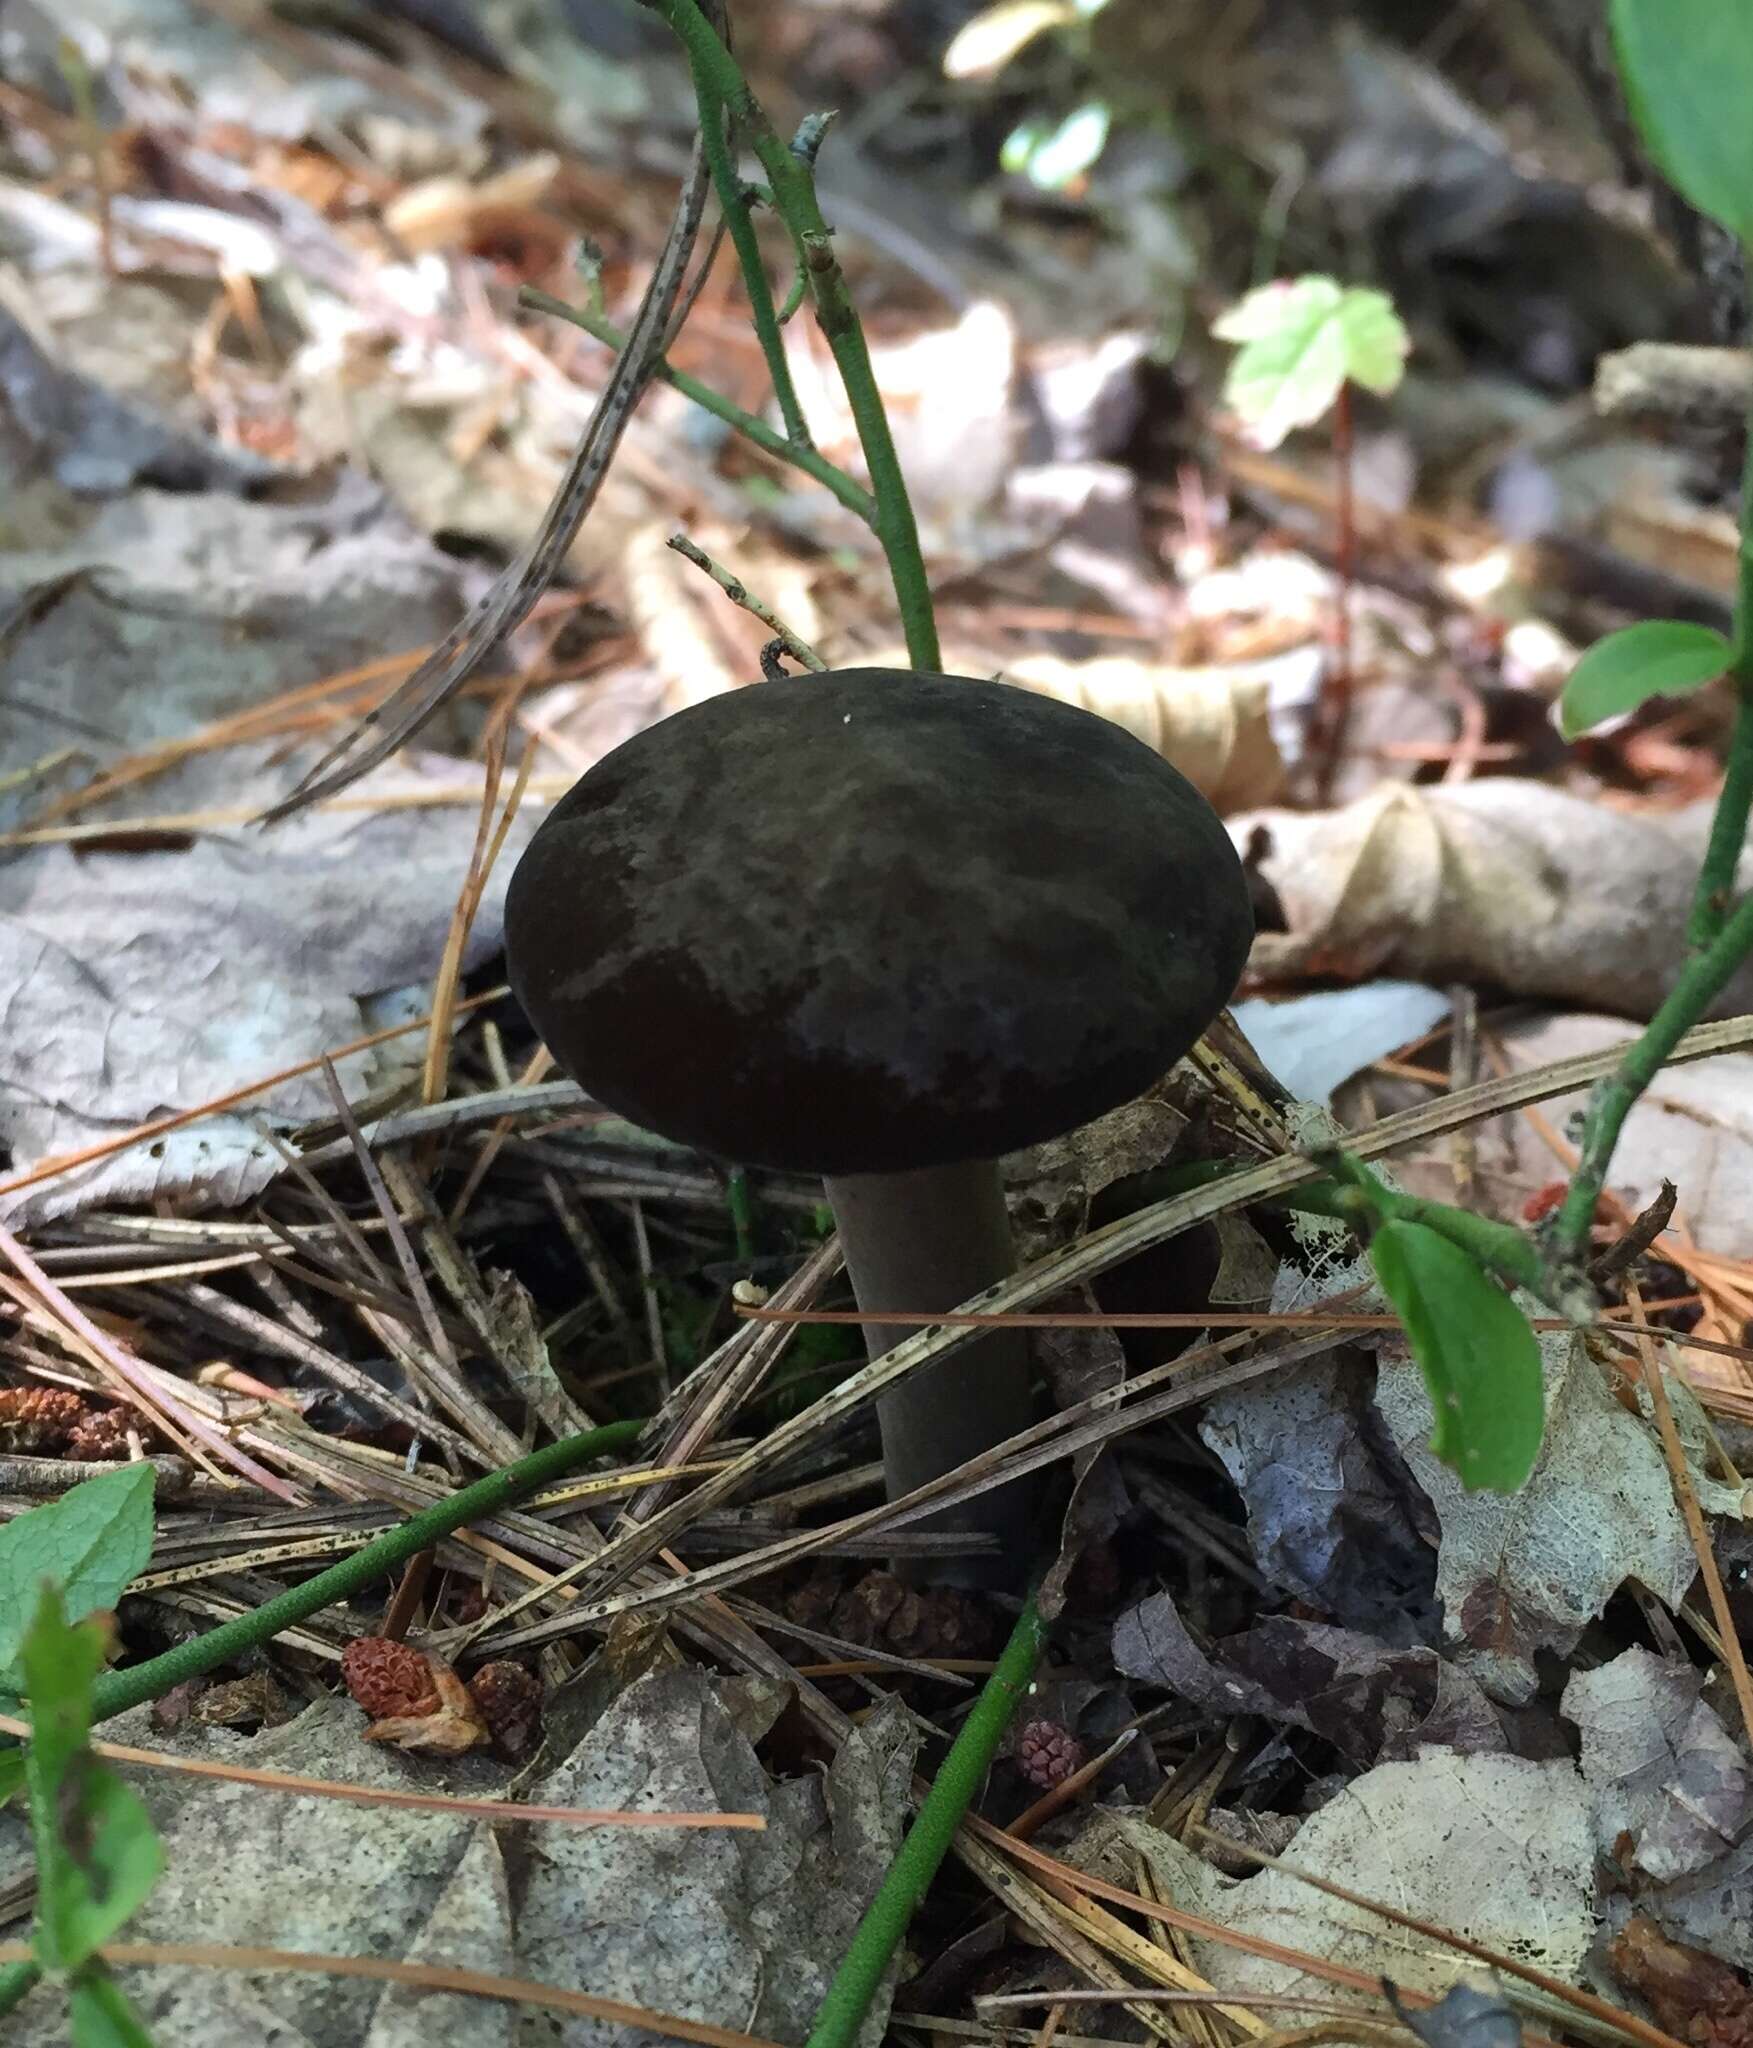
(924, 1241)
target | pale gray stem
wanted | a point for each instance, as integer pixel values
(925, 1241)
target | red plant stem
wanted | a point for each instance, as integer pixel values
(1333, 710)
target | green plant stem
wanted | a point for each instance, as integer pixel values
(928, 1840)
(793, 185)
(733, 203)
(1728, 825)
(1500, 1247)
(1719, 934)
(1700, 982)
(850, 492)
(116, 1691)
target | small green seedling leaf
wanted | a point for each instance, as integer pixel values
(97, 1853)
(102, 2016)
(1688, 72)
(1302, 340)
(91, 1541)
(1661, 658)
(1054, 154)
(1478, 1355)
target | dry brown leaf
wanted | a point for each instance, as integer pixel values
(1211, 723)
(1503, 883)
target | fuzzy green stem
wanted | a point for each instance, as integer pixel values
(793, 185)
(733, 203)
(1500, 1247)
(928, 1840)
(116, 1691)
(850, 492)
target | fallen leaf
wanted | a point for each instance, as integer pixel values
(1523, 1572)
(1333, 1513)
(744, 1929)
(141, 984)
(1660, 1766)
(1368, 1700)
(1497, 1848)
(1498, 882)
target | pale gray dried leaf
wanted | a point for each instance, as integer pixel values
(233, 74)
(1332, 1511)
(1522, 1572)
(1714, 1908)
(1500, 881)
(137, 984)
(175, 608)
(745, 1930)
(92, 442)
(244, 1866)
(1659, 1764)
(1493, 1847)
(471, 1928)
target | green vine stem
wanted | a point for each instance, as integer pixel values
(733, 203)
(1728, 825)
(116, 1691)
(792, 184)
(1701, 981)
(813, 463)
(961, 1775)
(1719, 933)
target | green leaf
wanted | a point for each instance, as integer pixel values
(1301, 341)
(97, 1853)
(1661, 658)
(1478, 1355)
(11, 1774)
(1052, 154)
(1688, 72)
(92, 1541)
(102, 2016)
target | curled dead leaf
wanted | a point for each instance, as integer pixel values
(1213, 724)
(1501, 883)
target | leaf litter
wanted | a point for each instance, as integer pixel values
(1272, 1598)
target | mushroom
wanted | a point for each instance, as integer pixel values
(885, 927)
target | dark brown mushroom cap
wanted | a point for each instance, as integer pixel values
(874, 920)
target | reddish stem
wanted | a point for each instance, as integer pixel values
(1333, 708)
